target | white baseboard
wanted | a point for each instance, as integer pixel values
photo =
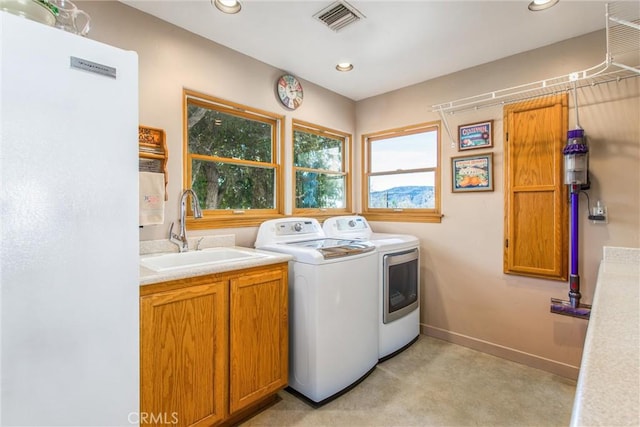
(553, 366)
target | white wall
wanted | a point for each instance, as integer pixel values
(172, 59)
(465, 296)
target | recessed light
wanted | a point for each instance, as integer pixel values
(227, 6)
(537, 5)
(344, 66)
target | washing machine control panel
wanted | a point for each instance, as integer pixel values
(348, 226)
(297, 227)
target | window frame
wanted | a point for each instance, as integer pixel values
(433, 215)
(225, 218)
(346, 138)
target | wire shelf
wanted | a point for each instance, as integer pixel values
(622, 61)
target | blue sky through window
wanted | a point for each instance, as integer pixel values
(406, 152)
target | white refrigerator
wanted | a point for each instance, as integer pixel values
(69, 229)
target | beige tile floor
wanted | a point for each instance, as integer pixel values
(436, 383)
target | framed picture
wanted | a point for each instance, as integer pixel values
(475, 135)
(472, 173)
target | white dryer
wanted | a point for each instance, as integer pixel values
(398, 281)
(332, 307)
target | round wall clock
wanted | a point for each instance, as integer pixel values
(289, 91)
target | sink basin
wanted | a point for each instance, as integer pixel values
(172, 261)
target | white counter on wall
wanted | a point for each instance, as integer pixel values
(608, 390)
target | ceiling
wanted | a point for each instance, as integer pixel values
(397, 43)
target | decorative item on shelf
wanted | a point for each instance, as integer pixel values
(475, 135)
(62, 14)
(472, 173)
(36, 10)
(152, 146)
(289, 91)
(69, 18)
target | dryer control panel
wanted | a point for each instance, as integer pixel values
(351, 226)
(351, 223)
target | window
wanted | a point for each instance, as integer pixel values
(402, 174)
(320, 159)
(232, 161)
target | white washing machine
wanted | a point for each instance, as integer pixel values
(333, 304)
(398, 281)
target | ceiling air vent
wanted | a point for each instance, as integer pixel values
(338, 15)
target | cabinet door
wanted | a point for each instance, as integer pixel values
(536, 241)
(259, 336)
(183, 355)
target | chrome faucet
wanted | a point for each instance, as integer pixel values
(181, 239)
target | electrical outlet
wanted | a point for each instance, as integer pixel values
(599, 209)
(599, 214)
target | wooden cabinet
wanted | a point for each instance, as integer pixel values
(258, 338)
(214, 347)
(183, 338)
(535, 227)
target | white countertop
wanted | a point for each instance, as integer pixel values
(608, 389)
(148, 276)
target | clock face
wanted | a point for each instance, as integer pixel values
(290, 91)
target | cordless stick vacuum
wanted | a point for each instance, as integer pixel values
(576, 176)
(576, 155)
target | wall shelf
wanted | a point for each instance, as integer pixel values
(153, 155)
(622, 25)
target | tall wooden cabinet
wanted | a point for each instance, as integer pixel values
(536, 215)
(212, 347)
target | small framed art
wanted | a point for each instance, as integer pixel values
(475, 135)
(472, 173)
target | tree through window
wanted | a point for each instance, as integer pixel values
(232, 160)
(320, 168)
